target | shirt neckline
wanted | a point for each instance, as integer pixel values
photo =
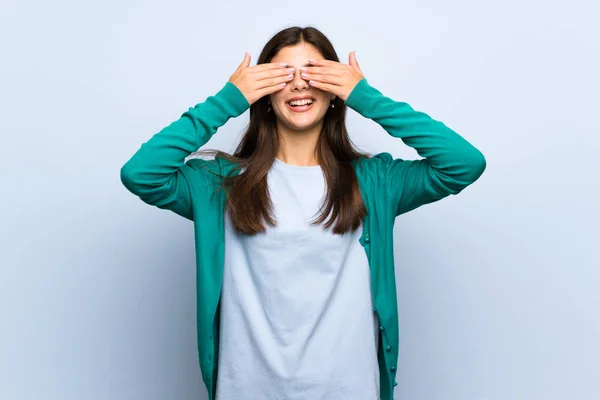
(296, 169)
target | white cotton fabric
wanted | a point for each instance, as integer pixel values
(296, 319)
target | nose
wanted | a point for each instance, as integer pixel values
(298, 83)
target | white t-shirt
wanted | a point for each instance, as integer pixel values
(297, 320)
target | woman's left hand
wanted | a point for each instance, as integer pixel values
(332, 76)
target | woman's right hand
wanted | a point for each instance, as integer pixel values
(260, 80)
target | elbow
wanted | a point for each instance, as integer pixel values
(476, 165)
(128, 177)
(470, 167)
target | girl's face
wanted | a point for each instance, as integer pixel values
(313, 103)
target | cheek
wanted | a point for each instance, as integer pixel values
(273, 99)
(322, 94)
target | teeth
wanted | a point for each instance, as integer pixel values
(301, 102)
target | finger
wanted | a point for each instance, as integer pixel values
(270, 89)
(245, 62)
(330, 79)
(353, 62)
(324, 86)
(274, 81)
(268, 66)
(352, 59)
(272, 73)
(336, 71)
(242, 64)
(323, 63)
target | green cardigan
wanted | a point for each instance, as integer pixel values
(159, 175)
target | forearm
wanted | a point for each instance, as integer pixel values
(154, 164)
(455, 161)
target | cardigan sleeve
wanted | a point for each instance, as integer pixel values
(449, 164)
(157, 172)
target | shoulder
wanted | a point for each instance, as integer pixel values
(200, 163)
(204, 169)
(375, 173)
(215, 165)
(375, 165)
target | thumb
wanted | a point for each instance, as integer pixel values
(352, 59)
(246, 61)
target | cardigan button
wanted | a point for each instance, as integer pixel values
(381, 327)
(395, 383)
(389, 348)
(367, 239)
(393, 368)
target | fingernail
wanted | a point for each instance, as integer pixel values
(283, 64)
(290, 70)
(303, 69)
(311, 60)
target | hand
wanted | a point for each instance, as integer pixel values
(334, 77)
(260, 80)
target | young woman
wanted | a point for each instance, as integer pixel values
(296, 293)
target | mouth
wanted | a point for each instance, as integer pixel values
(300, 105)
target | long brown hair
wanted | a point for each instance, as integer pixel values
(248, 200)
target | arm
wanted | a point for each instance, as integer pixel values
(450, 163)
(157, 172)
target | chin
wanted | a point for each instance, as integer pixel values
(302, 122)
(302, 125)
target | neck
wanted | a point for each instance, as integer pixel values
(298, 147)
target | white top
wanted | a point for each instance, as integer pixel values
(297, 320)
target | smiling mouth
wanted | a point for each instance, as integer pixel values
(300, 105)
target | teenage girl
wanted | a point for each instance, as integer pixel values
(296, 293)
